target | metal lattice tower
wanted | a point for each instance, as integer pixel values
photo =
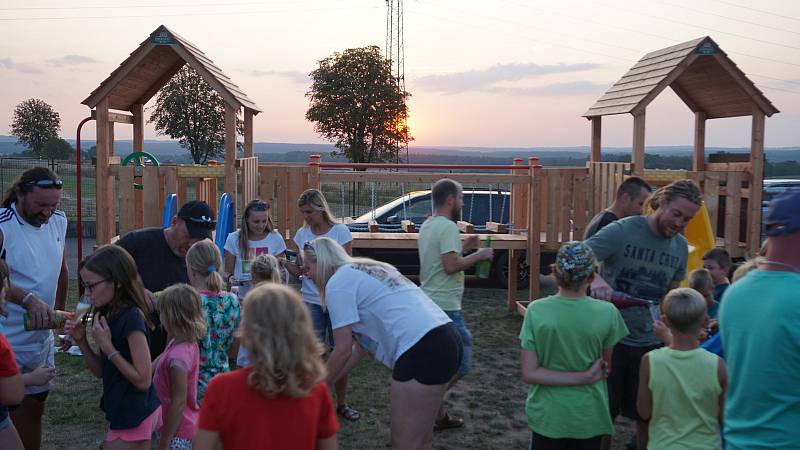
(395, 48)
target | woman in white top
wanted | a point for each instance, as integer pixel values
(320, 222)
(409, 334)
(256, 236)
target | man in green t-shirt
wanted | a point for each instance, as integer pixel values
(645, 257)
(442, 269)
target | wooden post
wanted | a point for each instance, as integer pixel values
(138, 127)
(313, 173)
(699, 155)
(230, 153)
(756, 183)
(637, 156)
(534, 227)
(248, 132)
(104, 196)
(596, 133)
(138, 146)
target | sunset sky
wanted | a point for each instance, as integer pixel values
(511, 73)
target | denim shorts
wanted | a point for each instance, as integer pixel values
(322, 323)
(30, 360)
(5, 418)
(466, 340)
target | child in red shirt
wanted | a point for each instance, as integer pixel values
(280, 400)
(12, 388)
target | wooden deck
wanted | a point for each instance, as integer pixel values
(511, 242)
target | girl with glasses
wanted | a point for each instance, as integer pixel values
(120, 328)
(256, 236)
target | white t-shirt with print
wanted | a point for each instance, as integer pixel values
(339, 233)
(384, 306)
(273, 244)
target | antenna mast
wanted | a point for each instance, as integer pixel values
(395, 50)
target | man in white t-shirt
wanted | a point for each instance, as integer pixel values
(32, 235)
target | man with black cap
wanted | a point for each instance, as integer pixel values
(759, 324)
(160, 254)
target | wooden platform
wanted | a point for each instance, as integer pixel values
(409, 240)
(511, 242)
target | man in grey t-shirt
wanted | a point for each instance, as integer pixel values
(645, 257)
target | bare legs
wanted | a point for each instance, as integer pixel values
(414, 407)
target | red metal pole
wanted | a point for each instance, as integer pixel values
(79, 200)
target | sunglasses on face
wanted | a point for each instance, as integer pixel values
(89, 287)
(46, 184)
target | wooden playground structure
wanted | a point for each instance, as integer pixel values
(548, 205)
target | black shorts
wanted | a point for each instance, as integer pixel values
(623, 383)
(539, 442)
(39, 397)
(433, 360)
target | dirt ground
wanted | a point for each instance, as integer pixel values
(491, 398)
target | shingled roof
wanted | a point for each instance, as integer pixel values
(699, 72)
(153, 64)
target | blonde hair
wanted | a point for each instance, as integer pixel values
(329, 256)
(179, 309)
(700, 280)
(685, 308)
(285, 355)
(203, 257)
(316, 200)
(677, 189)
(265, 268)
(745, 268)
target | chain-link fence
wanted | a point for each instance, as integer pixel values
(12, 168)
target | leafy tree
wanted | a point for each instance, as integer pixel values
(356, 104)
(188, 109)
(57, 148)
(34, 124)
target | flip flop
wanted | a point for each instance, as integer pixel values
(348, 412)
(448, 422)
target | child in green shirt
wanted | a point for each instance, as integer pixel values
(682, 387)
(567, 340)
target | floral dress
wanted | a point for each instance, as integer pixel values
(221, 311)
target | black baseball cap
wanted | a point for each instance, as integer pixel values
(199, 219)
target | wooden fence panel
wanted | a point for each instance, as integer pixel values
(250, 183)
(733, 211)
(151, 212)
(127, 201)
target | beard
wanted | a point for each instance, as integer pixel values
(664, 230)
(455, 214)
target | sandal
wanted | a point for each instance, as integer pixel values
(447, 422)
(348, 412)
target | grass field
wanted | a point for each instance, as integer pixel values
(491, 398)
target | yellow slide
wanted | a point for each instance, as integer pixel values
(701, 239)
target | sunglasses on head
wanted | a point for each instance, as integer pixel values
(202, 220)
(309, 246)
(258, 205)
(46, 183)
